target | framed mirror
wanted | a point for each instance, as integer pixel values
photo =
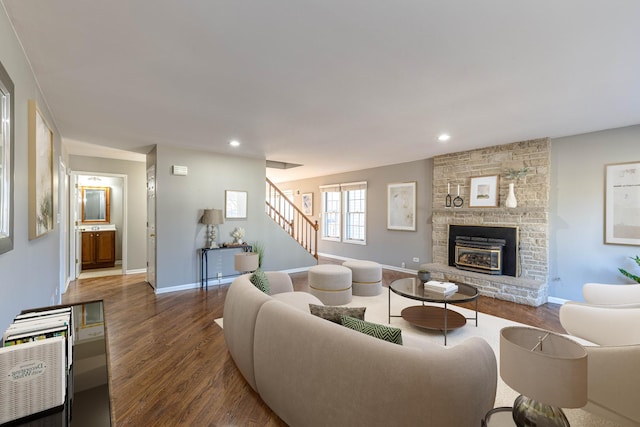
(96, 205)
(6, 161)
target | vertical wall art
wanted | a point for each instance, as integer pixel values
(622, 204)
(6, 160)
(307, 203)
(401, 206)
(235, 204)
(40, 174)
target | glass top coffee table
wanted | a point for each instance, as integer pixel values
(428, 316)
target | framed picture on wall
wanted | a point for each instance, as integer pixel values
(484, 192)
(40, 173)
(307, 203)
(401, 206)
(622, 204)
(235, 204)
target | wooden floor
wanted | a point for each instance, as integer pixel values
(168, 361)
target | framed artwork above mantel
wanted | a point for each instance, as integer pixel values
(484, 191)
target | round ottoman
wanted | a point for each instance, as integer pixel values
(330, 283)
(366, 277)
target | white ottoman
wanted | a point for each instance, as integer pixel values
(330, 283)
(366, 277)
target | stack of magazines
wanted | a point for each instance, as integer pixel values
(35, 363)
(444, 288)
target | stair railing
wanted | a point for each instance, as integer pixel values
(291, 219)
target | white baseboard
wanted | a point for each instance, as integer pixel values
(556, 300)
(136, 271)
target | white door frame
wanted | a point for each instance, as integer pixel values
(151, 227)
(74, 220)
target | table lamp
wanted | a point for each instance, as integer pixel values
(246, 261)
(548, 370)
(212, 217)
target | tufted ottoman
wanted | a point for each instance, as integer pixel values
(366, 277)
(330, 283)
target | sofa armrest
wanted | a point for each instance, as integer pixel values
(279, 282)
(601, 324)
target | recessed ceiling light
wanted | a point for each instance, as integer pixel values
(234, 143)
(444, 137)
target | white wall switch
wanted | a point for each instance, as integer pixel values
(416, 259)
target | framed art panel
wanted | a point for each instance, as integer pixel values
(484, 192)
(401, 206)
(40, 174)
(307, 203)
(622, 204)
(235, 204)
(6, 160)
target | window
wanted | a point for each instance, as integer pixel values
(330, 212)
(355, 203)
(344, 213)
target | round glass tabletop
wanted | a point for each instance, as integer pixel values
(413, 288)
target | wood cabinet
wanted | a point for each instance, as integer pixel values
(98, 249)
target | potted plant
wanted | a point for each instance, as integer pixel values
(424, 275)
(629, 275)
(259, 248)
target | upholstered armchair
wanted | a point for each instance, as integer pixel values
(610, 319)
(605, 294)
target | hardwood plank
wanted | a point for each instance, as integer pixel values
(168, 361)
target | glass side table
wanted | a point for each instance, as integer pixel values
(499, 417)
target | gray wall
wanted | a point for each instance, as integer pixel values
(389, 247)
(577, 250)
(29, 274)
(180, 201)
(136, 201)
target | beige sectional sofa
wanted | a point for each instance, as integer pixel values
(312, 372)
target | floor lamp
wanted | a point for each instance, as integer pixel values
(212, 217)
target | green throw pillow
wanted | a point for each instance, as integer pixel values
(334, 314)
(260, 281)
(382, 332)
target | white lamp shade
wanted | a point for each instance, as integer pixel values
(246, 261)
(212, 217)
(555, 373)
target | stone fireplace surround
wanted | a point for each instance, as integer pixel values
(530, 216)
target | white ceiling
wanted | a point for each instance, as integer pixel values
(335, 85)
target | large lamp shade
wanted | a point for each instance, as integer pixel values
(212, 217)
(544, 366)
(246, 261)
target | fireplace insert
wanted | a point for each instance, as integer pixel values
(480, 254)
(485, 249)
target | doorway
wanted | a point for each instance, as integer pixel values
(95, 238)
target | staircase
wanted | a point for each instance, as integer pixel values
(291, 219)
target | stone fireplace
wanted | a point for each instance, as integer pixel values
(523, 273)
